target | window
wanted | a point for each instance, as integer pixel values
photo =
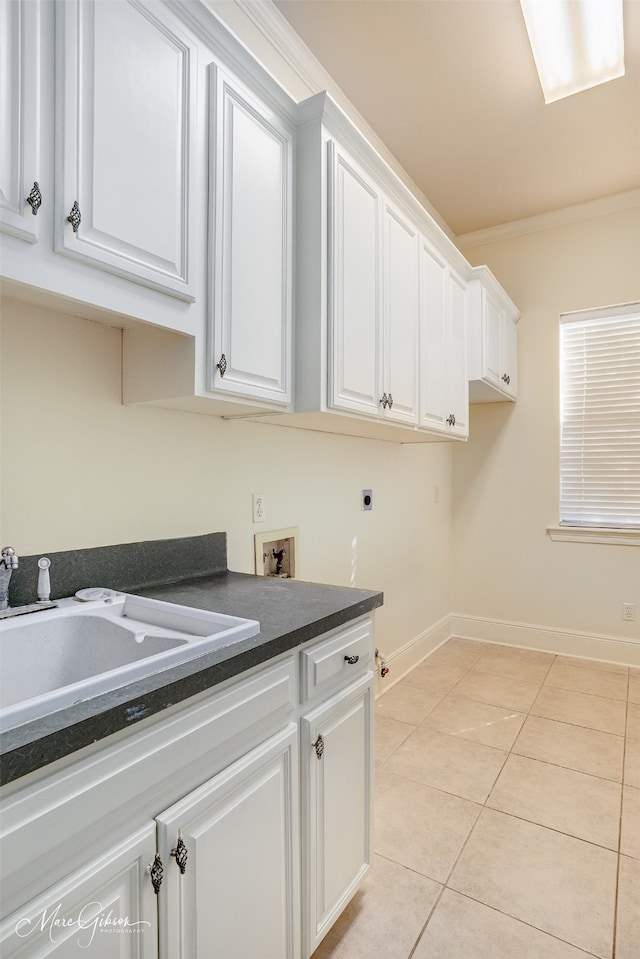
(600, 418)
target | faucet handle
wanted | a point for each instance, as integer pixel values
(9, 557)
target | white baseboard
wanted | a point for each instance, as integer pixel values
(403, 660)
(563, 642)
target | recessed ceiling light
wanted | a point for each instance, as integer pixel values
(577, 44)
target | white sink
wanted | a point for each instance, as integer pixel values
(53, 658)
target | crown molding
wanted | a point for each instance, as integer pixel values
(547, 221)
(277, 31)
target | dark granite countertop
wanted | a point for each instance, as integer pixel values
(290, 612)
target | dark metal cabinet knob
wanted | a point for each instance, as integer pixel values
(221, 365)
(35, 198)
(384, 401)
(506, 378)
(390, 401)
(156, 873)
(319, 747)
(352, 660)
(180, 854)
(451, 419)
(75, 216)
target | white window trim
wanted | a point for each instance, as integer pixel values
(594, 534)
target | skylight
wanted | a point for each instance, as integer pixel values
(576, 44)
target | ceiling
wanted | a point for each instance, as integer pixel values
(451, 88)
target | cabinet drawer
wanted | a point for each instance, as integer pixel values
(337, 659)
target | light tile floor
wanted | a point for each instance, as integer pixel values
(507, 812)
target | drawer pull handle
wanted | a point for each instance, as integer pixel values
(319, 747)
(156, 872)
(352, 660)
(180, 855)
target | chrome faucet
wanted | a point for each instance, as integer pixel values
(8, 562)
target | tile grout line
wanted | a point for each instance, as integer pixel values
(510, 750)
(614, 947)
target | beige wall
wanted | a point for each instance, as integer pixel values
(506, 479)
(80, 469)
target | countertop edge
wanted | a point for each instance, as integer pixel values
(27, 748)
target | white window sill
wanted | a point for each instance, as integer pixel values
(594, 534)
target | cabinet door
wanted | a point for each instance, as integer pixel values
(401, 285)
(354, 287)
(106, 910)
(251, 240)
(492, 331)
(20, 170)
(434, 339)
(337, 769)
(510, 356)
(239, 894)
(125, 110)
(458, 383)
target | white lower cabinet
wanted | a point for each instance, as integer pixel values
(185, 839)
(105, 910)
(238, 894)
(337, 771)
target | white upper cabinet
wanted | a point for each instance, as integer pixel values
(373, 289)
(401, 316)
(354, 292)
(126, 110)
(492, 346)
(444, 402)
(20, 169)
(251, 241)
(367, 362)
(456, 358)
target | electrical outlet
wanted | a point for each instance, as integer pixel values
(367, 499)
(629, 612)
(258, 508)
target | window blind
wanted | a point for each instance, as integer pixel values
(600, 418)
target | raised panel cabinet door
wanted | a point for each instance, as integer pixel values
(434, 339)
(106, 910)
(492, 323)
(354, 287)
(251, 228)
(510, 356)
(124, 165)
(239, 894)
(337, 768)
(20, 170)
(401, 317)
(457, 379)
